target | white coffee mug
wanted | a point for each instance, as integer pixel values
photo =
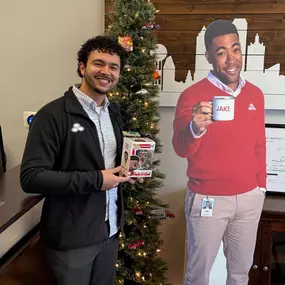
(223, 108)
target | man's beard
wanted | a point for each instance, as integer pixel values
(101, 92)
(92, 85)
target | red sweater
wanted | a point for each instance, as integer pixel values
(230, 158)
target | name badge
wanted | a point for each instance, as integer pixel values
(207, 207)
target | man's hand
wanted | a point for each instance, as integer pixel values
(201, 117)
(110, 180)
(133, 180)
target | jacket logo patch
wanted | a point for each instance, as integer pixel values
(77, 128)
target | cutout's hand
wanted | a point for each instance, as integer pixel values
(201, 116)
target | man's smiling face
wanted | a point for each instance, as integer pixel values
(101, 73)
(226, 57)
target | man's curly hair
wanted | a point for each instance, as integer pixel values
(106, 44)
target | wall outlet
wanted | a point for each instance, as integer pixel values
(26, 116)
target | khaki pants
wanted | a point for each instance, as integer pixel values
(235, 220)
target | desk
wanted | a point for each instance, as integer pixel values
(22, 258)
(19, 212)
(16, 202)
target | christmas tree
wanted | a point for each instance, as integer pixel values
(132, 23)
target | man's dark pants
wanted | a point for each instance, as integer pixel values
(93, 265)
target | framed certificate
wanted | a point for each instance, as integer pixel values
(275, 157)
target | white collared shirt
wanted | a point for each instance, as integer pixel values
(101, 118)
(219, 84)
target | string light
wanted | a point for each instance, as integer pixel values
(117, 265)
(146, 104)
(138, 274)
(158, 250)
(143, 278)
(134, 118)
(143, 50)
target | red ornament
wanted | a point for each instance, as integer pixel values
(137, 210)
(169, 214)
(136, 244)
(156, 75)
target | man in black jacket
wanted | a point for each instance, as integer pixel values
(72, 157)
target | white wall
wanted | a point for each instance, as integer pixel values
(39, 42)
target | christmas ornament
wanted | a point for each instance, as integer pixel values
(150, 26)
(131, 134)
(136, 244)
(162, 213)
(128, 67)
(137, 210)
(126, 42)
(156, 75)
(142, 91)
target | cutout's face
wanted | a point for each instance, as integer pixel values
(226, 57)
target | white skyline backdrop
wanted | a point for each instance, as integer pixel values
(268, 80)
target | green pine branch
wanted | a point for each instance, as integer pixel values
(137, 93)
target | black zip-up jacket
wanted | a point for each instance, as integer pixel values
(65, 166)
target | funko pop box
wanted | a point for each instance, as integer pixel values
(137, 157)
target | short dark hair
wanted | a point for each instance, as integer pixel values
(106, 44)
(134, 157)
(218, 28)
